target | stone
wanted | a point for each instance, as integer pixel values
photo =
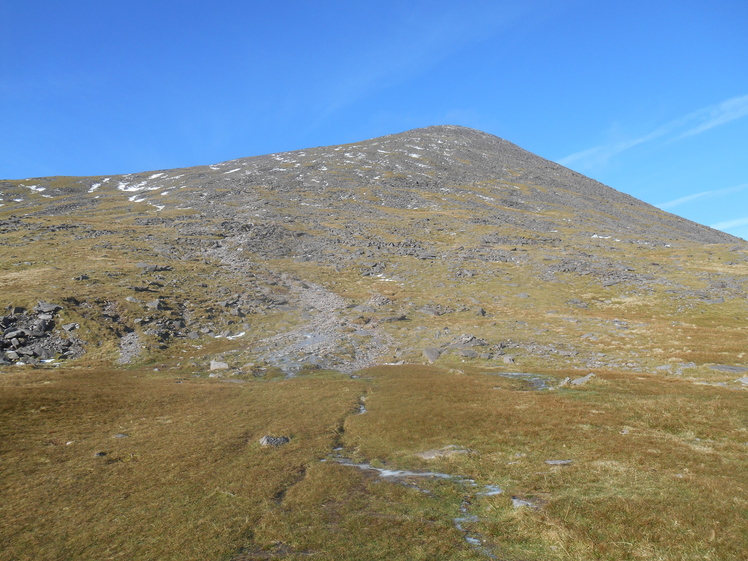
(564, 382)
(743, 380)
(467, 353)
(729, 368)
(431, 354)
(523, 295)
(155, 305)
(46, 307)
(390, 319)
(558, 462)
(508, 360)
(276, 441)
(70, 326)
(429, 311)
(583, 380)
(217, 365)
(43, 353)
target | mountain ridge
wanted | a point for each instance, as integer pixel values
(453, 157)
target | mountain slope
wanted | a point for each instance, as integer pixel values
(472, 352)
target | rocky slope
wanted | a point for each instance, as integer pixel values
(441, 240)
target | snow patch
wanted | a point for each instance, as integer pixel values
(94, 187)
(156, 176)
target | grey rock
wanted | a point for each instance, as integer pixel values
(42, 352)
(508, 360)
(390, 319)
(155, 305)
(217, 365)
(429, 311)
(743, 380)
(523, 295)
(432, 354)
(558, 462)
(46, 307)
(70, 326)
(467, 353)
(729, 368)
(583, 380)
(276, 441)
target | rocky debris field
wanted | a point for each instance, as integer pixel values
(31, 336)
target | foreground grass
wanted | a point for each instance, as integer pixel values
(189, 481)
(658, 467)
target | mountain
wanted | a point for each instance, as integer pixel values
(443, 281)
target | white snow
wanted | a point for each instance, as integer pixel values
(124, 186)
(156, 175)
(231, 171)
(35, 188)
(94, 187)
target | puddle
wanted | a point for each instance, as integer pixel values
(405, 477)
(537, 381)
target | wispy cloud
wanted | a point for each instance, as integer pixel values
(694, 123)
(702, 195)
(730, 224)
(716, 115)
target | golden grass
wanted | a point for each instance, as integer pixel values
(189, 482)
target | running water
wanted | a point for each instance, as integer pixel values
(402, 476)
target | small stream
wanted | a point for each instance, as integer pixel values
(405, 477)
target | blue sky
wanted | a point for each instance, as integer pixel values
(650, 97)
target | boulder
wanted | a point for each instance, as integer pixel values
(276, 441)
(217, 365)
(432, 354)
(47, 308)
